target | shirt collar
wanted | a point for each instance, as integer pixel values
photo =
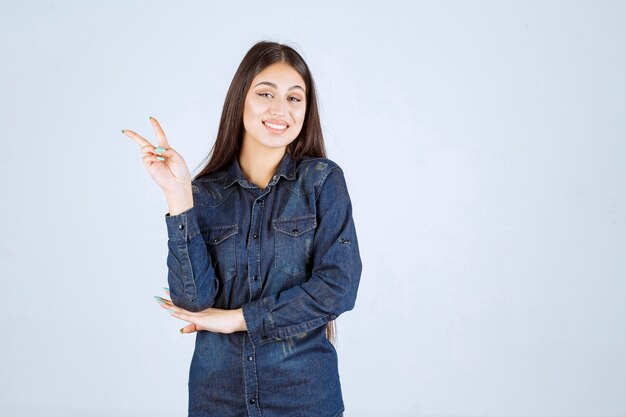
(286, 168)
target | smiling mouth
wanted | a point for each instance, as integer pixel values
(275, 126)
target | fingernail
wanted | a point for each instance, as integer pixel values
(150, 117)
(181, 330)
(159, 150)
(172, 312)
(159, 299)
(160, 158)
(122, 130)
(166, 289)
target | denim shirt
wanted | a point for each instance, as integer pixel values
(288, 256)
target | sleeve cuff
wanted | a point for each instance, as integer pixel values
(259, 323)
(182, 227)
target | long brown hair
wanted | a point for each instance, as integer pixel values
(310, 141)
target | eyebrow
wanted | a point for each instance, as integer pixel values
(274, 85)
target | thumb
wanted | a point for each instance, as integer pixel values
(188, 329)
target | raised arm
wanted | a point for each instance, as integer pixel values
(191, 277)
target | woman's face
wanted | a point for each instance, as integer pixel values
(275, 106)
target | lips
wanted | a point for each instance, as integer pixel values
(276, 124)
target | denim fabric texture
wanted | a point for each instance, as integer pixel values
(288, 255)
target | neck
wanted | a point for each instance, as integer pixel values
(259, 163)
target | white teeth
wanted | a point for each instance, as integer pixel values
(273, 126)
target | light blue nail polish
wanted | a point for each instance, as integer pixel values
(159, 299)
(159, 150)
(160, 158)
(166, 289)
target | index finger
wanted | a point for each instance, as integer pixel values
(137, 138)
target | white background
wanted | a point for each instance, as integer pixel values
(484, 148)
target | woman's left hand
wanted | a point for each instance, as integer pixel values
(212, 319)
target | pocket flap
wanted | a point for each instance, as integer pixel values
(217, 234)
(295, 226)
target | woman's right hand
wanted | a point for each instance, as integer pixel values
(171, 174)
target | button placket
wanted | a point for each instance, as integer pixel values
(251, 381)
(254, 246)
(255, 282)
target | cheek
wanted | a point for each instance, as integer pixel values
(298, 114)
(250, 114)
(253, 108)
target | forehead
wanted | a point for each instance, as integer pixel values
(281, 74)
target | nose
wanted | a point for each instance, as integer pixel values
(277, 108)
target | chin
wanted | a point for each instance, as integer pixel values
(275, 142)
(276, 145)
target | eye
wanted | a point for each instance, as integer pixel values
(297, 99)
(263, 94)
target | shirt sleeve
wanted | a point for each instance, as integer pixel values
(192, 280)
(332, 287)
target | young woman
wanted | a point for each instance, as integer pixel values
(263, 253)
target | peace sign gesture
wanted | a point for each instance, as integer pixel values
(163, 163)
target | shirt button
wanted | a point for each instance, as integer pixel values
(255, 236)
(251, 401)
(181, 226)
(255, 278)
(259, 201)
(249, 358)
(274, 177)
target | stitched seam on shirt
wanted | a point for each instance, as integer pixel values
(294, 191)
(193, 280)
(256, 391)
(271, 324)
(179, 278)
(245, 378)
(247, 326)
(199, 203)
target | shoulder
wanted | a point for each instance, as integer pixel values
(211, 178)
(313, 175)
(318, 163)
(315, 170)
(208, 190)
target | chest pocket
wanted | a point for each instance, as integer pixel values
(293, 244)
(220, 241)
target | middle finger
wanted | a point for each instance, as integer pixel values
(160, 134)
